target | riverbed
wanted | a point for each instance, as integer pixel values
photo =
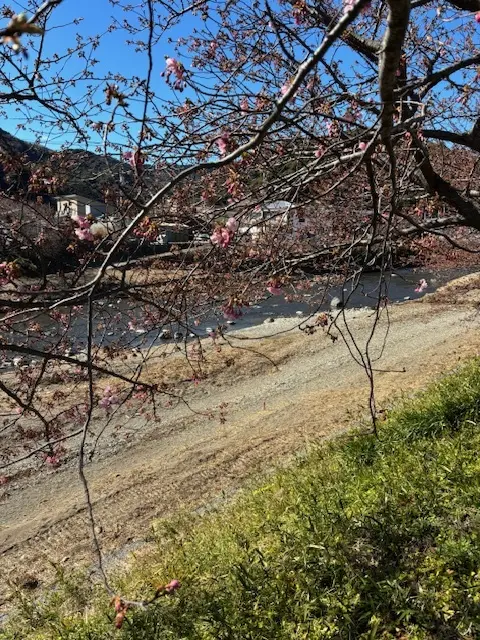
(113, 324)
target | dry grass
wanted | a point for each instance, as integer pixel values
(229, 359)
(461, 291)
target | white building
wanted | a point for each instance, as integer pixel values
(75, 204)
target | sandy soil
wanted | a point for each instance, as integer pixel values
(189, 459)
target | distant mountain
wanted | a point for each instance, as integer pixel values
(11, 144)
(83, 172)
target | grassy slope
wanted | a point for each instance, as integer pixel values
(364, 538)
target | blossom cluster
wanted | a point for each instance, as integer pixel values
(109, 399)
(223, 236)
(8, 272)
(18, 25)
(147, 229)
(300, 12)
(232, 311)
(135, 159)
(349, 4)
(274, 287)
(224, 143)
(83, 230)
(422, 285)
(174, 74)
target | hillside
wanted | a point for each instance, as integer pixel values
(82, 171)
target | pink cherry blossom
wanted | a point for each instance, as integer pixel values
(109, 399)
(134, 158)
(333, 129)
(174, 74)
(221, 237)
(300, 12)
(53, 461)
(320, 151)
(231, 312)
(422, 285)
(231, 225)
(84, 234)
(274, 288)
(172, 586)
(81, 221)
(362, 146)
(223, 143)
(477, 17)
(285, 87)
(349, 4)
(8, 271)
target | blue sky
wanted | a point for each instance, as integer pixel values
(113, 53)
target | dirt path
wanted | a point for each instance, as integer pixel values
(190, 460)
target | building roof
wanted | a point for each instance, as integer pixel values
(76, 196)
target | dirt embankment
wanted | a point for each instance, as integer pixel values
(277, 389)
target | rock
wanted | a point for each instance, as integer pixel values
(178, 335)
(28, 582)
(336, 303)
(231, 322)
(407, 298)
(299, 313)
(268, 320)
(209, 330)
(166, 334)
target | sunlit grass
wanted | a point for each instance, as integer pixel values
(363, 538)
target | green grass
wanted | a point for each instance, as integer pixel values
(363, 538)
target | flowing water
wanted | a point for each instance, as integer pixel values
(111, 319)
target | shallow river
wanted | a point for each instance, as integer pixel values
(111, 319)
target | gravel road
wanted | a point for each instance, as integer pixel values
(190, 459)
